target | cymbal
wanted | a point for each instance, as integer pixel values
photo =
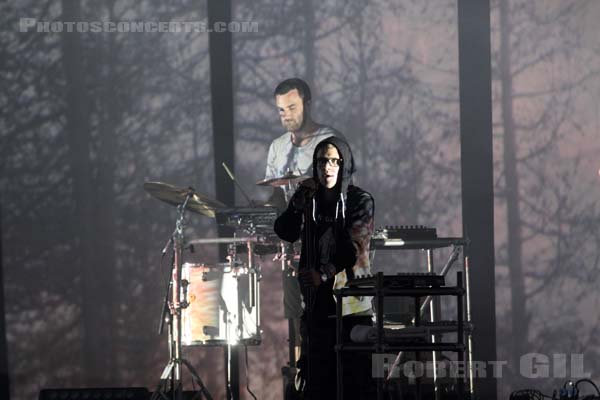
(287, 179)
(174, 195)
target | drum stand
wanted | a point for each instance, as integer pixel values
(170, 386)
(230, 395)
(232, 392)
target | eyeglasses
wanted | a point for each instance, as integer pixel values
(333, 162)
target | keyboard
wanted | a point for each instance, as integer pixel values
(401, 280)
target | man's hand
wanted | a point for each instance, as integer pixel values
(304, 194)
(310, 278)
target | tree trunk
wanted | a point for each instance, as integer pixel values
(105, 260)
(360, 122)
(82, 225)
(4, 376)
(520, 326)
(309, 41)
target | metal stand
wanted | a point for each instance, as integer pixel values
(286, 257)
(231, 352)
(432, 302)
(381, 345)
(170, 385)
(288, 372)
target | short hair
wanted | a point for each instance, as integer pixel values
(294, 83)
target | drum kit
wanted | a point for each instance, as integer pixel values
(213, 304)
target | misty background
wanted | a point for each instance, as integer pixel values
(88, 118)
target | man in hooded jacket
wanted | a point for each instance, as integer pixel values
(334, 220)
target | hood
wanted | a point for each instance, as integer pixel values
(347, 160)
(345, 173)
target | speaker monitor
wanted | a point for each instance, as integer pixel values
(134, 393)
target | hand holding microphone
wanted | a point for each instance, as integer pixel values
(304, 194)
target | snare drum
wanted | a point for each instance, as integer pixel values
(222, 305)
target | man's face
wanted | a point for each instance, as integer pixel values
(328, 166)
(291, 110)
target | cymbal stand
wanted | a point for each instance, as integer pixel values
(229, 390)
(170, 385)
(286, 257)
(234, 334)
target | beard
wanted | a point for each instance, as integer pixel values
(291, 125)
(294, 125)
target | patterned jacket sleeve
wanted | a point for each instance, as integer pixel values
(361, 210)
(361, 230)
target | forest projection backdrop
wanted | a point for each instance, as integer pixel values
(87, 118)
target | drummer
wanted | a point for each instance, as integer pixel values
(292, 152)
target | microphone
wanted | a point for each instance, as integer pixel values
(304, 194)
(309, 187)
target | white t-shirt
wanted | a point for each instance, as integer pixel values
(285, 156)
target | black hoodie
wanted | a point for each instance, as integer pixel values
(335, 231)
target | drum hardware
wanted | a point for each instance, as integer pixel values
(177, 196)
(252, 278)
(211, 331)
(235, 365)
(283, 187)
(253, 282)
(286, 256)
(235, 182)
(253, 220)
(184, 286)
(286, 180)
(171, 384)
(223, 297)
(225, 240)
(258, 222)
(231, 310)
(224, 303)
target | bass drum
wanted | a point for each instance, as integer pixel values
(223, 305)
